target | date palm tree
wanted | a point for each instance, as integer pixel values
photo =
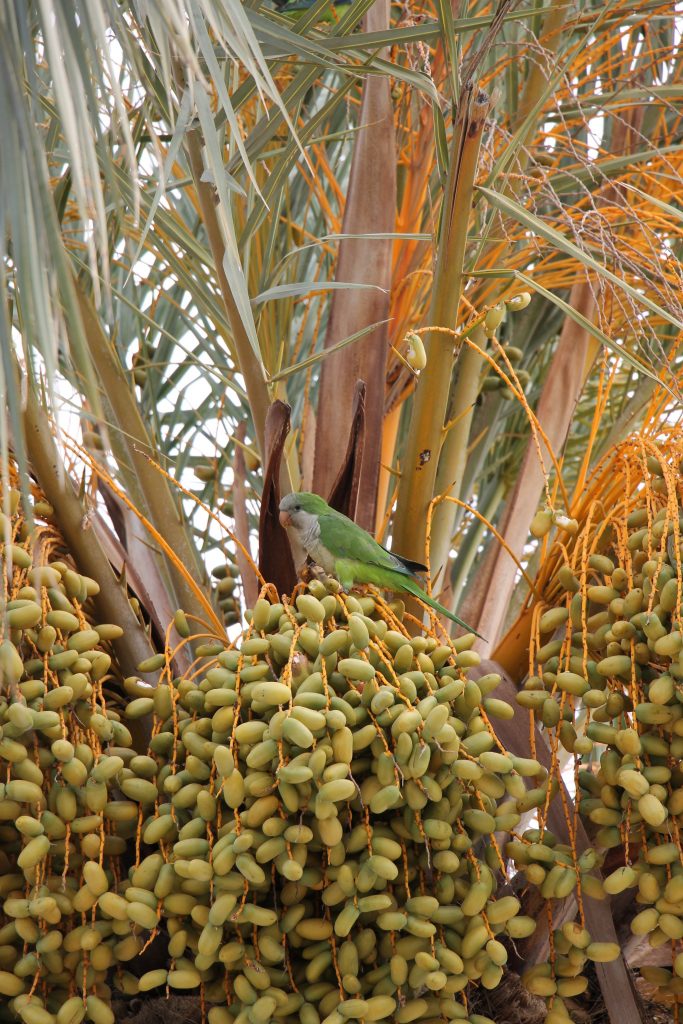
(422, 259)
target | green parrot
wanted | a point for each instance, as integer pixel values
(344, 550)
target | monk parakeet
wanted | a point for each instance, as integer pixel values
(344, 550)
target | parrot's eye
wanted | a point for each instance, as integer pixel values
(297, 508)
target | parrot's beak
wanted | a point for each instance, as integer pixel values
(285, 520)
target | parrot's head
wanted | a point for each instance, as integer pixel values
(299, 510)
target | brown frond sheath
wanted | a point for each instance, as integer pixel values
(370, 209)
(275, 555)
(344, 493)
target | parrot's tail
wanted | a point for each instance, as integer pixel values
(417, 591)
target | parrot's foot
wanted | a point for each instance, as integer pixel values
(307, 573)
(312, 571)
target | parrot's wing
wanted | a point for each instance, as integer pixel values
(413, 567)
(345, 539)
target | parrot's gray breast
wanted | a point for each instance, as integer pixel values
(309, 535)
